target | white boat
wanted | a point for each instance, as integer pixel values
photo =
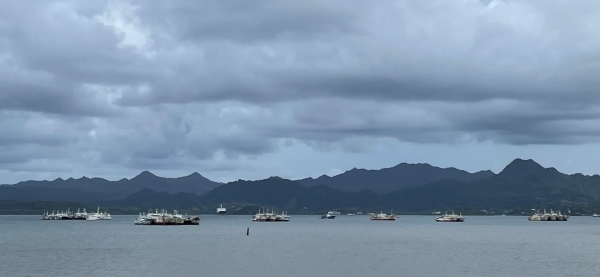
(221, 210)
(552, 216)
(142, 220)
(328, 215)
(450, 218)
(283, 217)
(270, 216)
(45, 216)
(383, 216)
(80, 215)
(596, 215)
(165, 218)
(175, 219)
(98, 216)
(350, 214)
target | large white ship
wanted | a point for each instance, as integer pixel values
(221, 210)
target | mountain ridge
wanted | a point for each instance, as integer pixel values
(520, 183)
(399, 176)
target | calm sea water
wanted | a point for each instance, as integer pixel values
(305, 246)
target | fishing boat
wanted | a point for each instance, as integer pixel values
(221, 210)
(545, 216)
(266, 216)
(282, 217)
(450, 218)
(328, 215)
(142, 220)
(80, 215)
(46, 216)
(162, 217)
(191, 220)
(98, 215)
(383, 216)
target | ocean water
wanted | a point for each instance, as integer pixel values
(305, 246)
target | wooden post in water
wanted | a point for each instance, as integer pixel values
(247, 231)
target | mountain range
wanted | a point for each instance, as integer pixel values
(394, 178)
(404, 187)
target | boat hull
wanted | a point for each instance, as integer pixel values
(454, 220)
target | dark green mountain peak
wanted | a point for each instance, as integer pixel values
(520, 168)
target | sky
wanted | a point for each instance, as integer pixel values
(253, 89)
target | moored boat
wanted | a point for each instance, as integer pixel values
(142, 220)
(80, 215)
(450, 218)
(221, 210)
(98, 215)
(46, 216)
(191, 220)
(383, 216)
(328, 215)
(267, 216)
(552, 216)
(165, 218)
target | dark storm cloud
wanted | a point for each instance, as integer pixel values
(180, 84)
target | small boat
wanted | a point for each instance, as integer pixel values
(328, 215)
(350, 214)
(596, 215)
(450, 218)
(382, 216)
(221, 210)
(191, 220)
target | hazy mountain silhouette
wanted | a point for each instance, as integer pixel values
(522, 183)
(84, 188)
(394, 178)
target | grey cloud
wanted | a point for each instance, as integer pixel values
(251, 22)
(97, 85)
(472, 54)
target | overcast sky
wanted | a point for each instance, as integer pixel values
(250, 89)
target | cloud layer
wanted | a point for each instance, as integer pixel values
(108, 87)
